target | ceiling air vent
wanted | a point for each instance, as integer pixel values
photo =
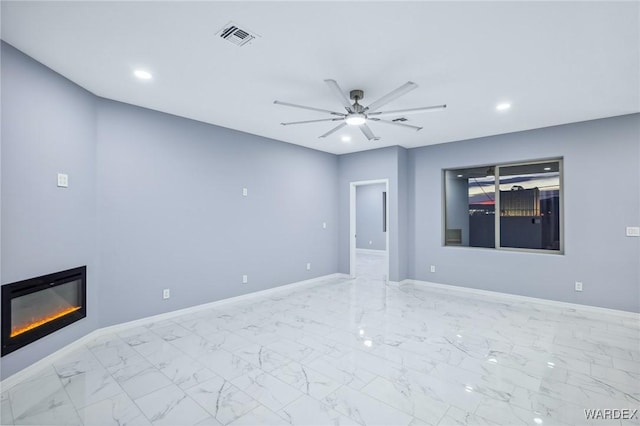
(236, 35)
(401, 119)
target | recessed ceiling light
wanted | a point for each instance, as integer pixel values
(368, 343)
(142, 74)
(345, 138)
(537, 420)
(546, 169)
(503, 106)
(459, 175)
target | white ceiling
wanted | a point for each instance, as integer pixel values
(554, 62)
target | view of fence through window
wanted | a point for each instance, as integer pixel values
(528, 200)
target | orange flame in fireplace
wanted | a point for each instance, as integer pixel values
(37, 323)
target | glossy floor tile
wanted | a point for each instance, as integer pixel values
(348, 352)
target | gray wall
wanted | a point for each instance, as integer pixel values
(602, 197)
(172, 214)
(404, 201)
(48, 127)
(375, 164)
(370, 217)
(155, 201)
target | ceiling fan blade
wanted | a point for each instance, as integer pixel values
(378, 120)
(309, 108)
(407, 111)
(335, 129)
(333, 85)
(368, 133)
(311, 121)
(394, 94)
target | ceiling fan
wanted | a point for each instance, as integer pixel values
(359, 115)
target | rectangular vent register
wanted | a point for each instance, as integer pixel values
(233, 33)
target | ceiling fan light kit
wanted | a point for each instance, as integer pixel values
(355, 119)
(358, 115)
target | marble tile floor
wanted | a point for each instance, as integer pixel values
(346, 352)
(371, 264)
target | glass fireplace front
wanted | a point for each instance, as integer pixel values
(33, 308)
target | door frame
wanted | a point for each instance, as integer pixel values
(352, 223)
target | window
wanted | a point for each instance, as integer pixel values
(508, 206)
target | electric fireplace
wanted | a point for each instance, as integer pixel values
(34, 308)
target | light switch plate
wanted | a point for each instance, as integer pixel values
(245, 192)
(63, 180)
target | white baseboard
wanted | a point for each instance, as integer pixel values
(343, 276)
(61, 353)
(519, 298)
(256, 294)
(370, 251)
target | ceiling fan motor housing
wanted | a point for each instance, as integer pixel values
(356, 95)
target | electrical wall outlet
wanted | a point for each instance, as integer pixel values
(578, 286)
(324, 225)
(245, 279)
(245, 192)
(633, 231)
(166, 293)
(308, 266)
(433, 268)
(370, 242)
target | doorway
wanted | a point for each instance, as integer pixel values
(369, 229)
